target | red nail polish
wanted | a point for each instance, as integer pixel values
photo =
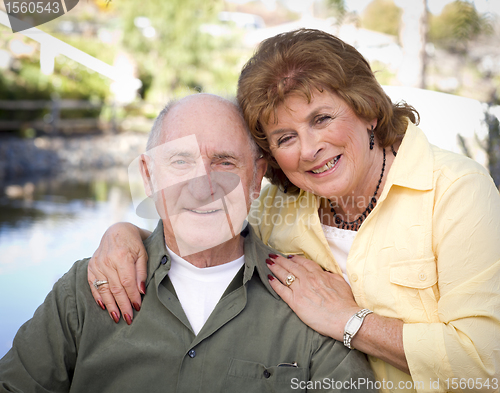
(114, 316)
(101, 305)
(136, 306)
(269, 262)
(270, 277)
(127, 319)
(290, 256)
(273, 256)
(143, 287)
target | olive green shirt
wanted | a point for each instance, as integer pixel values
(247, 344)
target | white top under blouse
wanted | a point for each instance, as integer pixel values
(340, 242)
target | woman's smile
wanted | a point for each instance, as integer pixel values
(327, 168)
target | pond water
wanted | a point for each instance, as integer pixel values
(44, 231)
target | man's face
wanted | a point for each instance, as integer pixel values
(203, 174)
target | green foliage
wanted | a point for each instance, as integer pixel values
(70, 80)
(383, 74)
(25, 81)
(90, 45)
(180, 55)
(383, 16)
(338, 8)
(493, 146)
(457, 25)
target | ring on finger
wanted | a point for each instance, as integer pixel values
(98, 283)
(289, 279)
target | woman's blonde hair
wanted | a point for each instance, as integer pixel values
(304, 60)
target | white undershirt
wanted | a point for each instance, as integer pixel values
(200, 289)
(340, 242)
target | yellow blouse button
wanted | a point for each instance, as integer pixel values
(354, 277)
(422, 276)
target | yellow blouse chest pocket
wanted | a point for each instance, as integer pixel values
(415, 289)
(255, 377)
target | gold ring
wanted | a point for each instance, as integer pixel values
(289, 279)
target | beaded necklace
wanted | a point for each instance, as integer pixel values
(354, 225)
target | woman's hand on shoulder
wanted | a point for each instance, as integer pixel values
(321, 299)
(121, 260)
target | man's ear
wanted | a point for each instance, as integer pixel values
(145, 167)
(261, 166)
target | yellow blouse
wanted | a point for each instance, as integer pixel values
(428, 254)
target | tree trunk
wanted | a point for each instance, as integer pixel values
(413, 38)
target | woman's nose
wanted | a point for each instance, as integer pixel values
(310, 148)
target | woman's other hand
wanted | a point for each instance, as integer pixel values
(322, 300)
(121, 260)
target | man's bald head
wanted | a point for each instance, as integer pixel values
(157, 134)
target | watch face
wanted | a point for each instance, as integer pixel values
(353, 325)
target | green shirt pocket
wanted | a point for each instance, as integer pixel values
(247, 376)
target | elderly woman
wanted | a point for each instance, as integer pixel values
(404, 236)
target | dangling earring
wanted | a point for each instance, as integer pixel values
(372, 139)
(285, 188)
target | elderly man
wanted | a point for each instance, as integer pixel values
(210, 320)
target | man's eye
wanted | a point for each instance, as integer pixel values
(180, 164)
(226, 164)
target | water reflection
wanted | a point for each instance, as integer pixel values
(44, 231)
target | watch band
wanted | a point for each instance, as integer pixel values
(353, 325)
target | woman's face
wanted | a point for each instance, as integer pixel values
(322, 146)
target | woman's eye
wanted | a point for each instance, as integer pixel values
(284, 139)
(322, 119)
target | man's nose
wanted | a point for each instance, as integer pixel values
(202, 188)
